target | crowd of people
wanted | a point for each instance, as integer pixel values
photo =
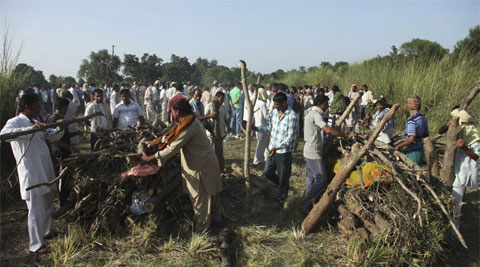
(282, 116)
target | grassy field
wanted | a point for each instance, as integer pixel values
(263, 236)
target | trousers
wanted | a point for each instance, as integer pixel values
(278, 169)
(40, 209)
(206, 207)
(261, 151)
(316, 182)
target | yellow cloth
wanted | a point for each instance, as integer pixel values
(469, 133)
(371, 172)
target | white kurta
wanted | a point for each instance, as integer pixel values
(260, 114)
(36, 164)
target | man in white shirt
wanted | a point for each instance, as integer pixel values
(72, 112)
(152, 100)
(127, 113)
(260, 115)
(367, 98)
(114, 98)
(98, 122)
(387, 131)
(164, 101)
(34, 166)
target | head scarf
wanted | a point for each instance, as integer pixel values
(463, 116)
(414, 103)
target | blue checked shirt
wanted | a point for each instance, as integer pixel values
(283, 131)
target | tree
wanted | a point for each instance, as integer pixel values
(144, 70)
(178, 69)
(340, 66)
(302, 69)
(200, 67)
(220, 73)
(100, 68)
(52, 80)
(326, 65)
(29, 75)
(470, 45)
(418, 48)
(278, 74)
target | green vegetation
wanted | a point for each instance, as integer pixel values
(9, 85)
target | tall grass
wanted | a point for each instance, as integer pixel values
(441, 85)
(9, 85)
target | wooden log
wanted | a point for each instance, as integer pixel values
(447, 173)
(431, 157)
(321, 207)
(356, 208)
(348, 219)
(9, 136)
(249, 104)
(217, 137)
(381, 222)
(471, 96)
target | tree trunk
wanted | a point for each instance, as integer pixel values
(217, 137)
(447, 175)
(320, 208)
(249, 103)
(431, 157)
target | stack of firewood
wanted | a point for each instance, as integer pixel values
(101, 199)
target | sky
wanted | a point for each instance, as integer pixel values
(54, 36)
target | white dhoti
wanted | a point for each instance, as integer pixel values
(164, 112)
(466, 174)
(261, 151)
(150, 112)
(40, 209)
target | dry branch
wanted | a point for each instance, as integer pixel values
(8, 136)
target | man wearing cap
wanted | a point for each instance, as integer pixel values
(415, 130)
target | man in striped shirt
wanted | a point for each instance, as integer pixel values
(415, 130)
(283, 128)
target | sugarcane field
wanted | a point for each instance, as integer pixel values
(187, 133)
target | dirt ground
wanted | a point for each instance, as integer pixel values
(14, 235)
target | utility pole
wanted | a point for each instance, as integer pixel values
(113, 50)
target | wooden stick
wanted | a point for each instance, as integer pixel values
(338, 123)
(471, 96)
(349, 109)
(62, 173)
(328, 197)
(437, 199)
(9, 136)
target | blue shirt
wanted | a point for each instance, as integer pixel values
(417, 125)
(283, 130)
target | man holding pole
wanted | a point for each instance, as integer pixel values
(34, 166)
